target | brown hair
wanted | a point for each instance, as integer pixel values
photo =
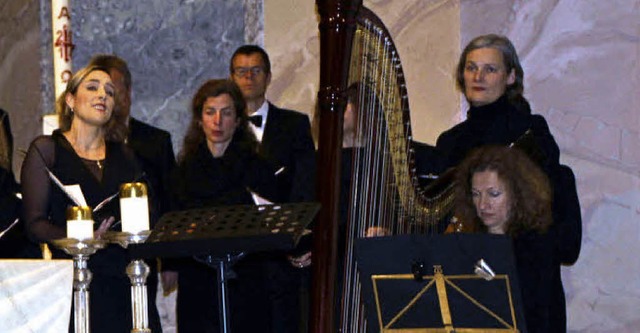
(527, 185)
(115, 129)
(195, 136)
(110, 61)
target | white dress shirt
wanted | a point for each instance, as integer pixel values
(262, 111)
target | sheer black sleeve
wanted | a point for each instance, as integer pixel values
(36, 191)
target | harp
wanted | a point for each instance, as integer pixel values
(357, 51)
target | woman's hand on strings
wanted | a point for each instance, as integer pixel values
(377, 232)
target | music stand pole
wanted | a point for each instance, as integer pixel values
(221, 264)
(223, 296)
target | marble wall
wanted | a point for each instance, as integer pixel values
(171, 49)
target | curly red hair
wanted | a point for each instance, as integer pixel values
(527, 185)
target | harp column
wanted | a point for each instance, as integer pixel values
(337, 26)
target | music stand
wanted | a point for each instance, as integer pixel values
(219, 236)
(427, 283)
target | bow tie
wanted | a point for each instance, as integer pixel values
(256, 120)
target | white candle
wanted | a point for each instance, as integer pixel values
(134, 208)
(79, 223)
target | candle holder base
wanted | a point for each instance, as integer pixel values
(126, 238)
(137, 271)
(79, 247)
(80, 250)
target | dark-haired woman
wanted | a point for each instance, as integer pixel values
(219, 165)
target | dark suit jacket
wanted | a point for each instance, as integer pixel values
(287, 143)
(154, 149)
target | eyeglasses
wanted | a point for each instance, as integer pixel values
(242, 71)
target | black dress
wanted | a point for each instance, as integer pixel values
(538, 275)
(502, 123)
(205, 181)
(44, 213)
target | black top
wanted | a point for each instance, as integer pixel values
(537, 273)
(13, 243)
(154, 150)
(202, 180)
(498, 123)
(287, 144)
(205, 181)
(45, 203)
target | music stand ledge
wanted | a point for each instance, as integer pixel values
(222, 235)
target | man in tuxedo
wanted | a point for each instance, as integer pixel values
(285, 141)
(154, 150)
(284, 135)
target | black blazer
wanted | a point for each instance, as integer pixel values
(287, 143)
(154, 150)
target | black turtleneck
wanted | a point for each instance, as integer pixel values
(498, 123)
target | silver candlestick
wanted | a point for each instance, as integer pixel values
(80, 250)
(137, 271)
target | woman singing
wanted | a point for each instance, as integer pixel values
(87, 151)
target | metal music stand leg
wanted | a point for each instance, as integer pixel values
(223, 296)
(222, 264)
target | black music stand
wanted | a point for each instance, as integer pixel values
(220, 236)
(427, 283)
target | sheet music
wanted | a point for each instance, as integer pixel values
(258, 200)
(9, 228)
(74, 192)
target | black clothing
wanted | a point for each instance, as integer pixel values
(498, 123)
(538, 274)
(288, 145)
(204, 181)
(256, 120)
(44, 211)
(13, 243)
(154, 150)
(501, 123)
